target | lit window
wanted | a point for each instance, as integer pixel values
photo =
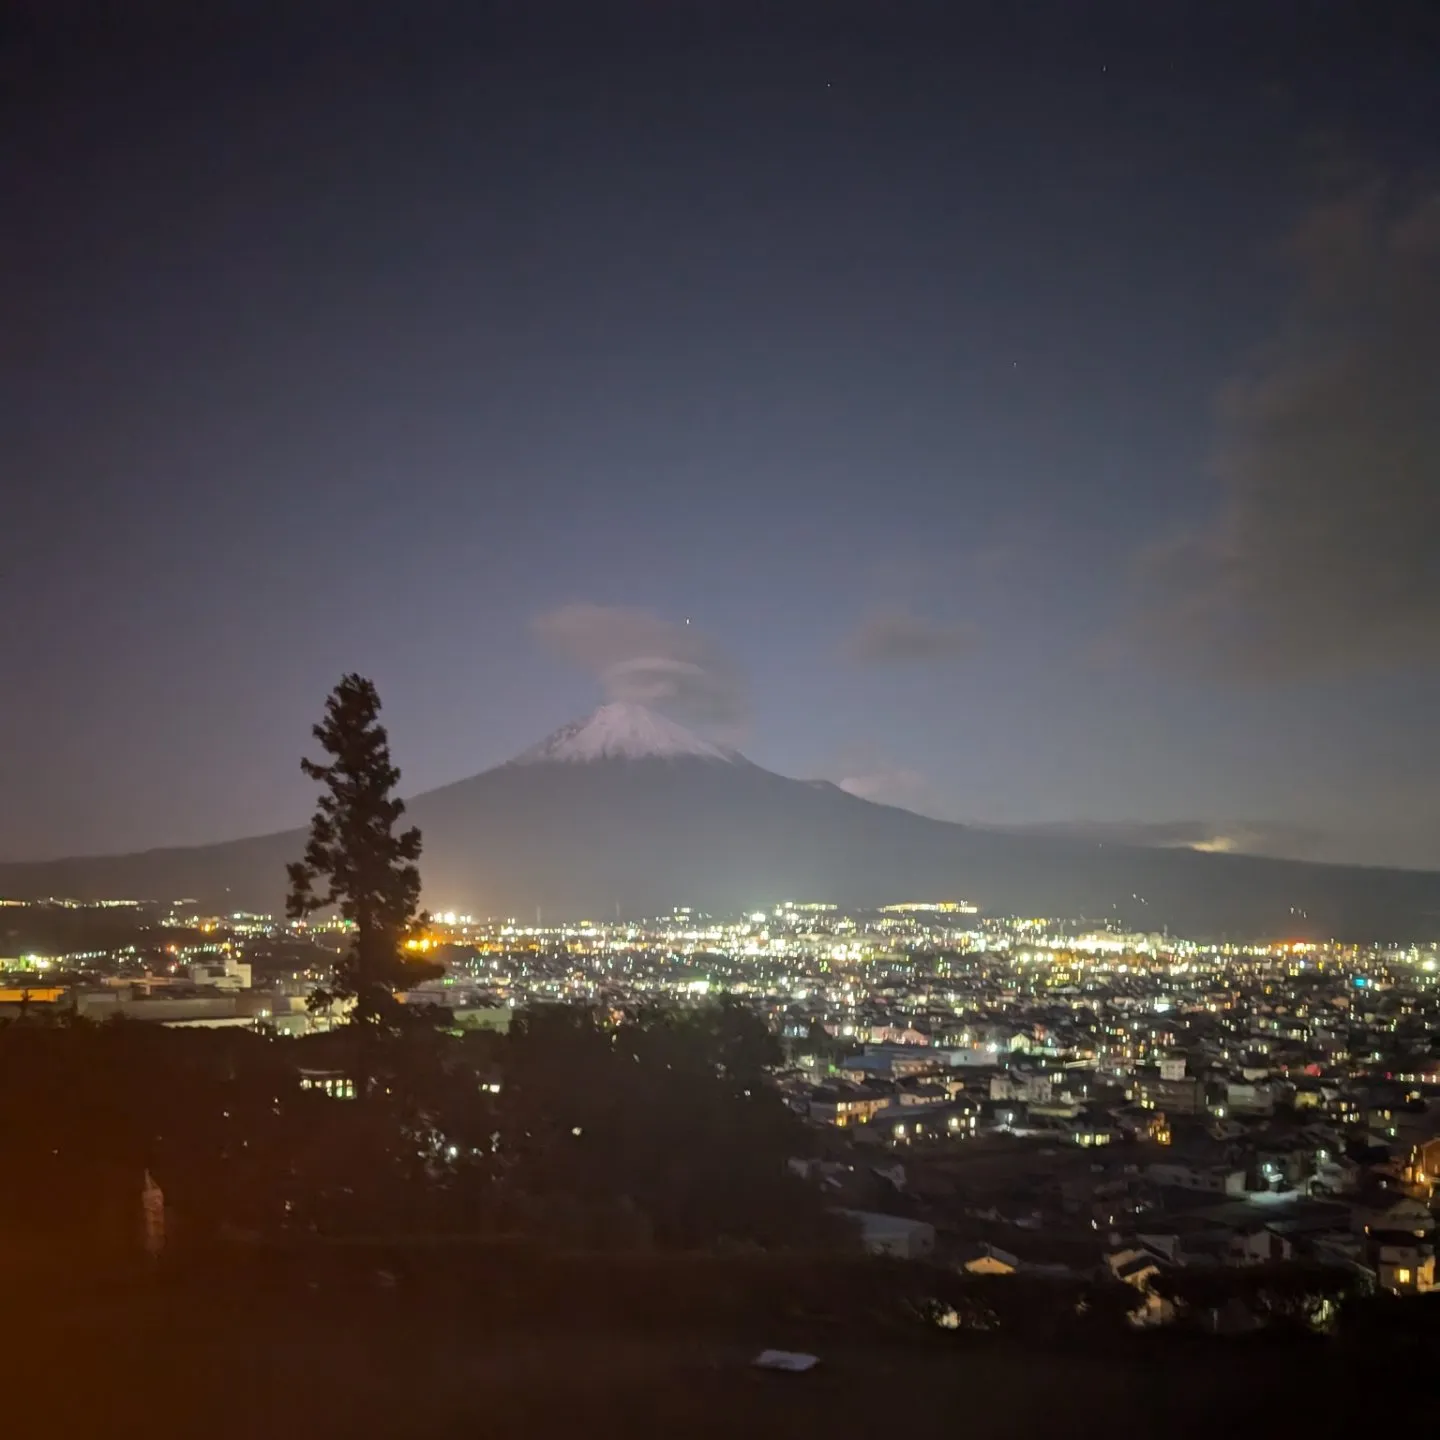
(1402, 1276)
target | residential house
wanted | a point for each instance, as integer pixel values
(1139, 1267)
(1032, 1086)
(979, 1257)
(895, 1235)
(1400, 1245)
(844, 1104)
(1214, 1179)
(903, 1124)
(1184, 1095)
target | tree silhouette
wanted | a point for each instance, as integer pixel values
(1288, 1294)
(355, 860)
(664, 1117)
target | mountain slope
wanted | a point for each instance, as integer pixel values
(626, 812)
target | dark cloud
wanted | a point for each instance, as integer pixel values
(1244, 837)
(863, 769)
(887, 784)
(640, 657)
(1323, 559)
(897, 637)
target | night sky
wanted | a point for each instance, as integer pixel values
(1027, 413)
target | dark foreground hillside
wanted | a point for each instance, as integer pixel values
(654, 1346)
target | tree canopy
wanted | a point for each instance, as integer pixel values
(579, 1127)
(354, 858)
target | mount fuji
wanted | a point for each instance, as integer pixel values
(624, 732)
(627, 813)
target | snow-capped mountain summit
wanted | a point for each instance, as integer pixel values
(622, 731)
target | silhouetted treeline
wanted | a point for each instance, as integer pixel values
(579, 1127)
(67, 930)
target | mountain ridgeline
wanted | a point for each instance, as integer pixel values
(628, 813)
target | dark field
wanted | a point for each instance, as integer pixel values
(658, 1347)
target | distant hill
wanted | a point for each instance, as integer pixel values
(626, 812)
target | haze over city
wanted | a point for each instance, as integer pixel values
(1019, 414)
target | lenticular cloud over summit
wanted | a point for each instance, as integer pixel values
(640, 658)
